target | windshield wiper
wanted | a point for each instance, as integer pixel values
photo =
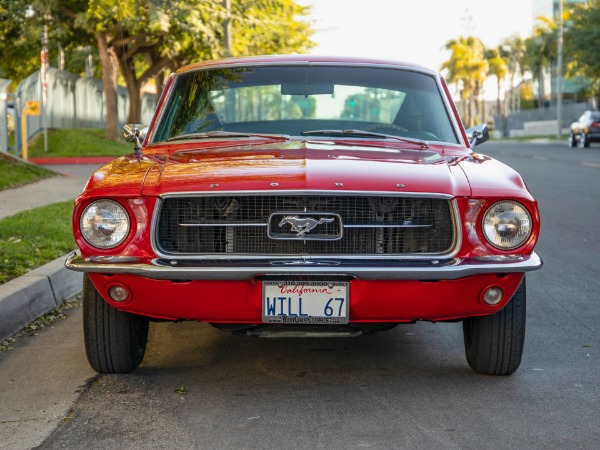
(229, 134)
(363, 133)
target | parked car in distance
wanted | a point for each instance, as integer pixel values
(585, 130)
(302, 196)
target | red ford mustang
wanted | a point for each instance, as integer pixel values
(305, 196)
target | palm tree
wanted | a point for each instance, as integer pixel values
(497, 68)
(512, 50)
(467, 67)
(540, 54)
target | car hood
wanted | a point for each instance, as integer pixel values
(306, 165)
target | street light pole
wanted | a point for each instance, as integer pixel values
(44, 81)
(227, 31)
(559, 70)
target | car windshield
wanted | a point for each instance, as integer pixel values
(292, 100)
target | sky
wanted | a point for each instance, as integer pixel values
(413, 31)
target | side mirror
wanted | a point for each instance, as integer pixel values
(478, 135)
(136, 133)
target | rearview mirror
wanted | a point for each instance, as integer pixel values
(136, 133)
(478, 134)
(306, 89)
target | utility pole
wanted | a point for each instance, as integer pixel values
(227, 40)
(559, 71)
(44, 80)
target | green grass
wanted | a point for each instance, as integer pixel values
(551, 137)
(14, 172)
(77, 142)
(33, 238)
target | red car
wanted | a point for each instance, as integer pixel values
(305, 196)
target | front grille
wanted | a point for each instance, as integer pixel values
(239, 225)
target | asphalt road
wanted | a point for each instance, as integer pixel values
(407, 388)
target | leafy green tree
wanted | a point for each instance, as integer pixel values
(266, 27)
(21, 26)
(14, 27)
(141, 40)
(144, 40)
(581, 42)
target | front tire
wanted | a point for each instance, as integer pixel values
(584, 141)
(572, 142)
(494, 344)
(115, 341)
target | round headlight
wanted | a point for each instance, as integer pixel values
(104, 224)
(507, 225)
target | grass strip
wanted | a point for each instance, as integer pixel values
(551, 137)
(33, 238)
(78, 142)
(14, 172)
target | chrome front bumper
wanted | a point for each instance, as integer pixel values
(451, 269)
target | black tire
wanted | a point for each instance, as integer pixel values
(571, 142)
(586, 140)
(115, 341)
(583, 141)
(494, 344)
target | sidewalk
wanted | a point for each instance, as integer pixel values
(42, 379)
(50, 190)
(43, 289)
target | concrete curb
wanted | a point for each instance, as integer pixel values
(30, 296)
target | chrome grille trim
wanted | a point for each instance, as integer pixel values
(306, 193)
(451, 252)
(449, 270)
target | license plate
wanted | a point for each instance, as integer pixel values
(305, 302)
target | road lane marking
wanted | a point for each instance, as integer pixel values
(594, 165)
(541, 158)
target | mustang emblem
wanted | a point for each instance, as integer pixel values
(303, 225)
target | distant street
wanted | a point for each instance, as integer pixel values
(406, 388)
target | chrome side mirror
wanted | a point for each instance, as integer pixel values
(478, 134)
(136, 133)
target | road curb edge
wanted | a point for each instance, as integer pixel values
(34, 294)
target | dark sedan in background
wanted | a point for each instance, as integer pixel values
(585, 130)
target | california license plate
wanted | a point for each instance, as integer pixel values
(305, 302)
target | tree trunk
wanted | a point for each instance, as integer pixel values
(135, 100)
(472, 102)
(127, 68)
(541, 93)
(109, 83)
(511, 103)
(61, 57)
(227, 31)
(159, 81)
(482, 106)
(498, 107)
